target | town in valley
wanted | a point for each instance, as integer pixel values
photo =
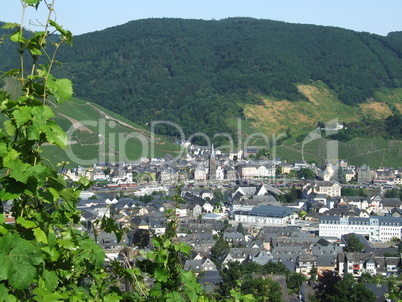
(313, 220)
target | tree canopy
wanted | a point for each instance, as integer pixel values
(177, 69)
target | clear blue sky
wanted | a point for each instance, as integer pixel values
(81, 16)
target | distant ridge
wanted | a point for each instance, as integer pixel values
(198, 74)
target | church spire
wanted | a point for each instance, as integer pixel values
(212, 155)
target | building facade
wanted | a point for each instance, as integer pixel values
(267, 215)
(374, 228)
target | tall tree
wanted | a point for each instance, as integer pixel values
(240, 228)
(353, 244)
(334, 288)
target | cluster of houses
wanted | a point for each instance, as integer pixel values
(213, 165)
(273, 231)
(308, 235)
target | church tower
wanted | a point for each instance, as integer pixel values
(212, 164)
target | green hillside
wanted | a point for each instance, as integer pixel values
(97, 134)
(365, 139)
(198, 74)
(204, 77)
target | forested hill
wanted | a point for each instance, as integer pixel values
(198, 73)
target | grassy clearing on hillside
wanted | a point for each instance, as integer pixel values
(277, 116)
(97, 135)
(392, 96)
(302, 117)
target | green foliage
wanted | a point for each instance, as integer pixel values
(394, 193)
(334, 288)
(262, 287)
(42, 256)
(305, 173)
(390, 127)
(177, 70)
(219, 251)
(348, 192)
(290, 196)
(218, 194)
(240, 229)
(354, 244)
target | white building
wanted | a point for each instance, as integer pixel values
(328, 188)
(375, 228)
(267, 214)
(220, 173)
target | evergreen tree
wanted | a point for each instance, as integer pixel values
(240, 229)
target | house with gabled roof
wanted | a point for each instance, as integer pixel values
(209, 280)
(329, 188)
(234, 239)
(353, 263)
(262, 257)
(305, 263)
(325, 262)
(240, 255)
(157, 226)
(139, 223)
(244, 191)
(193, 265)
(387, 204)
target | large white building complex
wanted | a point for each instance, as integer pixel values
(374, 228)
(267, 215)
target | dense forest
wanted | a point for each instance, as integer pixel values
(199, 73)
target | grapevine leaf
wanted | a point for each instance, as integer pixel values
(62, 89)
(156, 242)
(156, 290)
(55, 134)
(42, 113)
(65, 33)
(70, 197)
(9, 193)
(183, 248)
(28, 224)
(43, 295)
(66, 243)
(51, 280)
(54, 193)
(5, 296)
(175, 297)
(3, 230)
(161, 275)
(18, 258)
(35, 51)
(22, 115)
(112, 297)
(85, 182)
(162, 256)
(56, 181)
(167, 243)
(17, 37)
(40, 235)
(9, 127)
(91, 251)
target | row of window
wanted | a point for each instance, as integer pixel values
(361, 223)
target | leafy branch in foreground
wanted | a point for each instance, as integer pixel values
(43, 257)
